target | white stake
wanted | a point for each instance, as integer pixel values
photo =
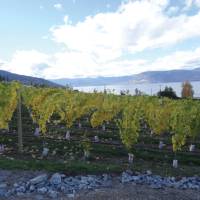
(130, 158)
(175, 163)
(37, 132)
(45, 152)
(96, 138)
(192, 147)
(67, 135)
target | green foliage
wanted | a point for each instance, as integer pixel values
(157, 113)
(181, 118)
(8, 102)
(129, 125)
(167, 92)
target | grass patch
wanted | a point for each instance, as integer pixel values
(86, 167)
(72, 167)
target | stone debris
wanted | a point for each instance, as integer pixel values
(59, 184)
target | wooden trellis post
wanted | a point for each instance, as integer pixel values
(19, 123)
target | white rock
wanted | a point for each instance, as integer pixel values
(32, 188)
(149, 172)
(56, 179)
(53, 194)
(39, 179)
(3, 185)
(71, 195)
(42, 190)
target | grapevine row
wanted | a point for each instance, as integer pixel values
(180, 118)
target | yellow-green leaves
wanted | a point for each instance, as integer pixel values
(8, 102)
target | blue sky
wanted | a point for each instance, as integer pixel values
(88, 38)
(25, 23)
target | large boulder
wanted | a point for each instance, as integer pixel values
(39, 179)
(56, 179)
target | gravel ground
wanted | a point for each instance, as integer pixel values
(118, 191)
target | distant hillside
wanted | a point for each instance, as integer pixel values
(93, 81)
(168, 76)
(145, 77)
(26, 80)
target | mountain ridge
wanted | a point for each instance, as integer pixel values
(26, 80)
(178, 75)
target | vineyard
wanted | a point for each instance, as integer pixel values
(42, 127)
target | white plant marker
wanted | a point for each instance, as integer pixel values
(175, 163)
(45, 152)
(2, 148)
(86, 154)
(96, 138)
(54, 152)
(103, 127)
(67, 135)
(37, 132)
(192, 147)
(80, 125)
(130, 158)
(161, 145)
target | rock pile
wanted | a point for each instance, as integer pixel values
(55, 185)
(158, 182)
(59, 184)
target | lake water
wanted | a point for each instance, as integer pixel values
(147, 88)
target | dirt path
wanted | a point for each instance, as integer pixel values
(126, 192)
(138, 192)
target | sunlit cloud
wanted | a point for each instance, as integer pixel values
(98, 45)
(58, 6)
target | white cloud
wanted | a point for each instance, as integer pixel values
(197, 2)
(173, 10)
(66, 19)
(2, 63)
(127, 30)
(178, 60)
(58, 6)
(98, 45)
(190, 3)
(25, 62)
(77, 64)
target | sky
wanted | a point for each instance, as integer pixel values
(88, 38)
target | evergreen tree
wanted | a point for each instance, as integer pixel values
(168, 92)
